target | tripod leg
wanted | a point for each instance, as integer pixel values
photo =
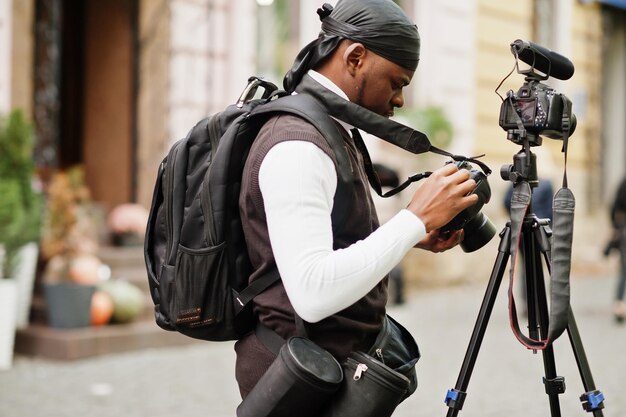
(592, 399)
(456, 397)
(529, 279)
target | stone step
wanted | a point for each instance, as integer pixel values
(71, 344)
(122, 257)
(137, 277)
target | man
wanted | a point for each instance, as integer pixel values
(334, 276)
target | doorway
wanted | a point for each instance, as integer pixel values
(98, 67)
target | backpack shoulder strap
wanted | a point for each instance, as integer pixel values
(309, 109)
(259, 285)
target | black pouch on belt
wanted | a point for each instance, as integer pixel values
(376, 382)
(300, 381)
(370, 389)
(396, 348)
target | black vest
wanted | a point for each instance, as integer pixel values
(354, 328)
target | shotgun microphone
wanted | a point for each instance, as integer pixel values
(548, 62)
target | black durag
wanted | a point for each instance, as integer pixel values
(380, 25)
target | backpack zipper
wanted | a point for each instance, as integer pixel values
(169, 171)
(379, 353)
(205, 199)
(360, 369)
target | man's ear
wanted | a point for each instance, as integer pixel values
(353, 57)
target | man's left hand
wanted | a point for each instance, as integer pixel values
(435, 241)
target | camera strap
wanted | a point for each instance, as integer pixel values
(563, 207)
(372, 176)
(561, 249)
(400, 135)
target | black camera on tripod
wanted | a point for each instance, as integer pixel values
(536, 108)
(477, 228)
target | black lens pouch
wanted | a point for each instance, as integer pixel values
(300, 381)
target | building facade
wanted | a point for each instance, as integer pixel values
(110, 85)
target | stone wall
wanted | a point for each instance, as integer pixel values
(195, 59)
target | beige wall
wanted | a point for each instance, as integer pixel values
(497, 24)
(585, 151)
(614, 102)
(5, 56)
(22, 56)
(152, 100)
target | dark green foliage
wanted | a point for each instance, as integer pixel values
(20, 205)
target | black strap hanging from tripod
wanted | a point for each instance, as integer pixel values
(563, 215)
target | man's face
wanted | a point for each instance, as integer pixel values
(380, 83)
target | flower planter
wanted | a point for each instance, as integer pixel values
(24, 276)
(69, 305)
(8, 303)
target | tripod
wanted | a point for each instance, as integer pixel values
(535, 242)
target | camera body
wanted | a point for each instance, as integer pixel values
(539, 109)
(478, 229)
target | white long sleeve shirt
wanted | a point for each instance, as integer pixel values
(298, 182)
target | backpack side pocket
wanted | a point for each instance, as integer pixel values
(200, 295)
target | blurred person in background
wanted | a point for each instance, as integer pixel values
(618, 243)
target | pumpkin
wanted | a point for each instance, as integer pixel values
(101, 308)
(128, 300)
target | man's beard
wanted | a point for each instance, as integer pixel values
(360, 92)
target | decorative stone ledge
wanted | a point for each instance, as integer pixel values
(72, 344)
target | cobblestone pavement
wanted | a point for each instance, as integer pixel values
(197, 380)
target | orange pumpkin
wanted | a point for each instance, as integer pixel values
(101, 308)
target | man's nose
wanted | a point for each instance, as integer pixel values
(398, 100)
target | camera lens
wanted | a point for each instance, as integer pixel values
(478, 231)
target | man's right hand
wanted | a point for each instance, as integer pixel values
(443, 195)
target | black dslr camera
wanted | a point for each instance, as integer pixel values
(537, 109)
(477, 228)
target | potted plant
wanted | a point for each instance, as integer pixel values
(20, 223)
(69, 244)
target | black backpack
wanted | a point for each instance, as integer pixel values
(195, 251)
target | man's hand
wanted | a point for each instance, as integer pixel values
(442, 196)
(436, 241)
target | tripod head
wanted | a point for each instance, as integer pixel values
(524, 167)
(524, 170)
